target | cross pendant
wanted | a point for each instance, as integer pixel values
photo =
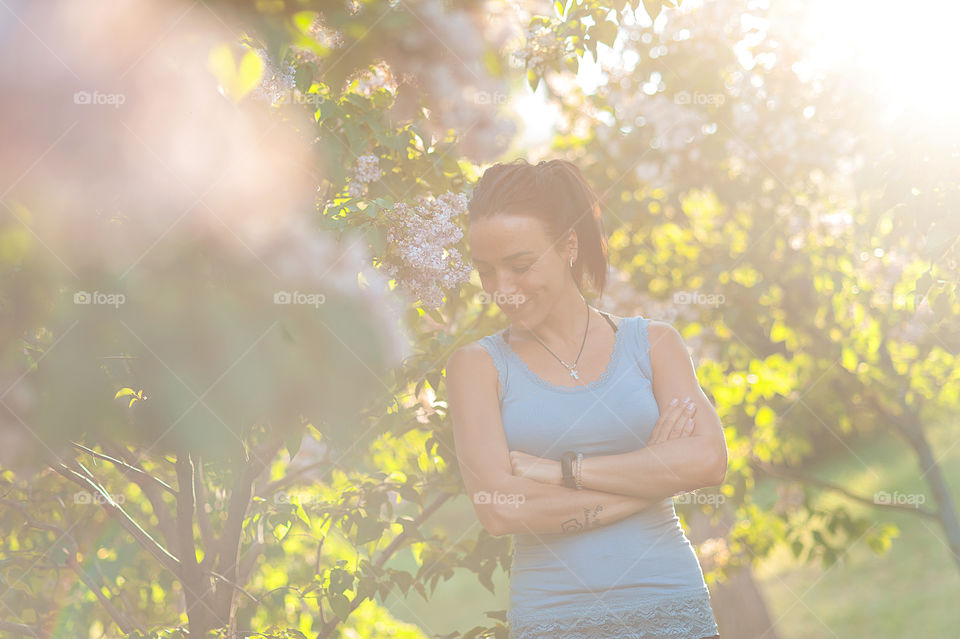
(573, 373)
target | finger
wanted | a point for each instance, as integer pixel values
(688, 427)
(670, 420)
(657, 432)
(663, 424)
(688, 414)
(680, 420)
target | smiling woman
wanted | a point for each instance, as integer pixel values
(565, 431)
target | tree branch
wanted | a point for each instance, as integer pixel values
(127, 469)
(327, 627)
(142, 537)
(203, 517)
(152, 488)
(229, 547)
(197, 588)
(21, 629)
(397, 541)
(790, 473)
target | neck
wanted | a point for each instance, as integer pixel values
(565, 324)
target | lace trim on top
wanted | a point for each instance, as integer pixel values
(685, 615)
(643, 344)
(579, 388)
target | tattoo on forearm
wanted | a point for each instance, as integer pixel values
(571, 525)
(589, 520)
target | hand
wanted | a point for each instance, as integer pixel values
(676, 422)
(545, 471)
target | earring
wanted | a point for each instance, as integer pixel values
(571, 262)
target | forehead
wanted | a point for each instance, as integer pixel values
(495, 238)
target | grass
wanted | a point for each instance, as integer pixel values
(911, 591)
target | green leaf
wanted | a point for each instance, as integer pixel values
(652, 7)
(797, 548)
(942, 305)
(923, 285)
(765, 416)
(249, 74)
(340, 605)
(292, 441)
(302, 514)
(402, 579)
(303, 78)
(605, 31)
(280, 531)
(849, 359)
(236, 81)
(369, 529)
(533, 80)
(591, 45)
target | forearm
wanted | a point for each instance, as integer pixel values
(534, 507)
(665, 468)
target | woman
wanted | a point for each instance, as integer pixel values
(564, 427)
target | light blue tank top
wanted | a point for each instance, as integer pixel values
(637, 577)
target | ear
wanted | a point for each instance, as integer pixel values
(572, 246)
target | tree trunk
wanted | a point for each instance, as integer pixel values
(738, 604)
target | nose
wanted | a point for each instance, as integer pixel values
(506, 292)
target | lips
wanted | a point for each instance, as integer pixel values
(516, 307)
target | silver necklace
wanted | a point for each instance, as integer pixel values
(572, 368)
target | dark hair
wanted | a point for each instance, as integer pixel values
(555, 192)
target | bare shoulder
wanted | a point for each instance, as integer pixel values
(473, 386)
(658, 329)
(665, 340)
(471, 361)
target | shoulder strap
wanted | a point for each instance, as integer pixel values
(609, 321)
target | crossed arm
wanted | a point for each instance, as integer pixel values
(525, 492)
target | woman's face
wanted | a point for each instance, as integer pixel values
(520, 267)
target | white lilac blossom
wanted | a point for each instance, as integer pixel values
(422, 258)
(277, 81)
(357, 189)
(365, 170)
(324, 35)
(541, 45)
(378, 76)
